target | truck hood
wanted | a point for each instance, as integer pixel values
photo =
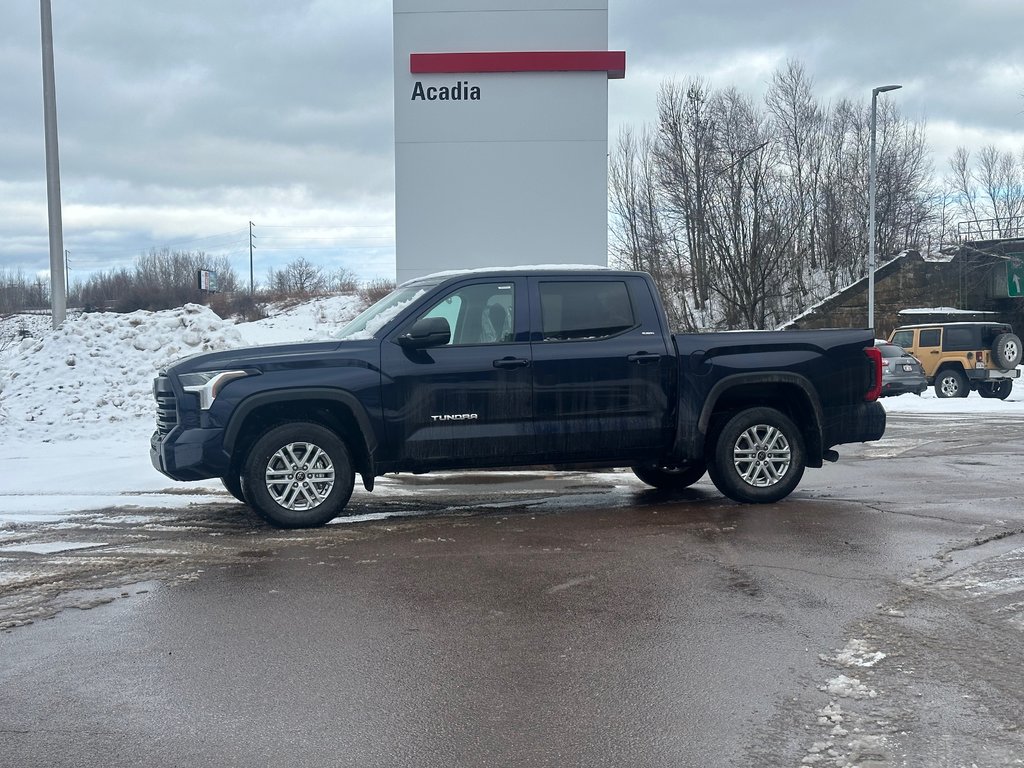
(276, 356)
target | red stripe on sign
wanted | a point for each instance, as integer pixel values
(612, 62)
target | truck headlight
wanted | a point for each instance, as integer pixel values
(207, 384)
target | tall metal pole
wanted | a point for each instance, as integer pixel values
(251, 281)
(58, 288)
(871, 202)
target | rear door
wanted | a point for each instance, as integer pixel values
(602, 370)
(929, 348)
(466, 403)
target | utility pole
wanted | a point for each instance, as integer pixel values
(252, 284)
(871, 201)
(58, 288)
(67, 268)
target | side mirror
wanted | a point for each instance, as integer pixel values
(427, 332)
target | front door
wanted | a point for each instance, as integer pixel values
(466, 403)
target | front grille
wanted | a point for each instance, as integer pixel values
(166, 413)
(166, 406)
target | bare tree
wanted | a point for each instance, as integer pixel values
(746, 214)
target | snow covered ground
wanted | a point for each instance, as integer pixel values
(76, 409)
(76, 403)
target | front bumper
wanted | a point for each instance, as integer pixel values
(189, 454)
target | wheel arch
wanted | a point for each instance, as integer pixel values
(789, 393)
(956, 365)
(336, 409)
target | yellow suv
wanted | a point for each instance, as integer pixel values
(959, 357)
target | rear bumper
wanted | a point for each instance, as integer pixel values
(858, 423)
(909, 386)
(988, 374)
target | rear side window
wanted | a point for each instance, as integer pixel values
(891, 350)
(590, 310)
(959, 339)
(930, 337)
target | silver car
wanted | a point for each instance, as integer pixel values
(901, 371)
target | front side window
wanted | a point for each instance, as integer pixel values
(584, 310)
(903, 339)
(478, 314)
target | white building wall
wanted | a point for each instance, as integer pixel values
(519, 175)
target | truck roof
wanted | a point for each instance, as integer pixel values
(533, 269)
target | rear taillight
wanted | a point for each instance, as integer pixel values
(875, 356)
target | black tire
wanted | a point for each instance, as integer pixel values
(758, 456)
(298, 475)
(1000, 389)
(671, 478)
(233, 484)
(1006, 350)
(951, 383)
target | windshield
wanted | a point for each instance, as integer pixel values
(367, 323)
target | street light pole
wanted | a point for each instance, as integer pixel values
(58, 287)
(871, 203)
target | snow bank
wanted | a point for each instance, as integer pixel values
(94, 375)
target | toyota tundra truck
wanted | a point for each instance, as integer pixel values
(553, 367)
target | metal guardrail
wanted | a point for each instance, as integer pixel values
(990, 229)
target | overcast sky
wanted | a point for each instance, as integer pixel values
(182, 122)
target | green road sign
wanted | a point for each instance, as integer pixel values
(1015, 274)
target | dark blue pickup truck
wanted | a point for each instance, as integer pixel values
(509, 368)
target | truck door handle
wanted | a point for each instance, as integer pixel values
(643, 357)
(511, 362)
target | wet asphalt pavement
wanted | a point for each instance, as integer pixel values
(531, 619)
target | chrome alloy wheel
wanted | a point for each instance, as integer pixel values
(950, 386)
(300, 476)
(761, 455)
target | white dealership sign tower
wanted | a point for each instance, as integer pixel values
(501, 133)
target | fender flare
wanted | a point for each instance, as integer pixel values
(260, 399)
(812, 432)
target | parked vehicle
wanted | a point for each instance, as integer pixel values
(901, 371)
(960, 357)
(503, 368)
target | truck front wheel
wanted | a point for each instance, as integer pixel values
(298, 475)
(233, 484)
(758, 456)
(671, 477)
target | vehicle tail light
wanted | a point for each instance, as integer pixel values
(875, 356)
(979, 359)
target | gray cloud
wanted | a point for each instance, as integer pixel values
(182, 120)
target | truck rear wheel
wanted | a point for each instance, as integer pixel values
(671, 477)
(758, 456)
(1000, 389)
(298, 475)
(951, 383)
